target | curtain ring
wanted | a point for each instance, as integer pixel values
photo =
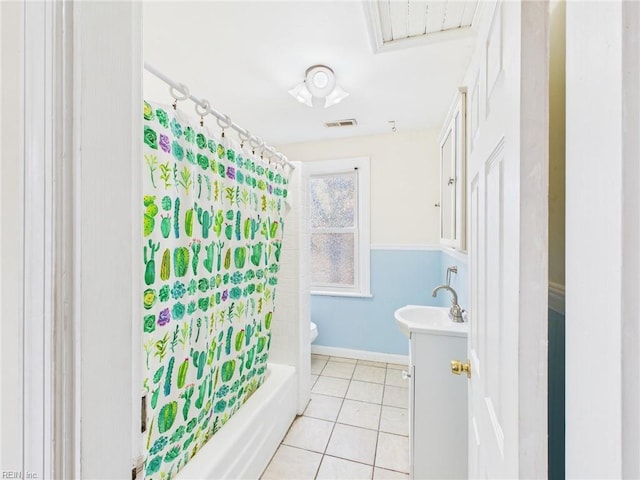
(255, 143)
(182, 95)
(269, 157)
(206, 109)
(227, 123)
(244, 136)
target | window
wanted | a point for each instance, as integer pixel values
(339, 224)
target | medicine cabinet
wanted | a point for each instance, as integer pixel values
(452, 174)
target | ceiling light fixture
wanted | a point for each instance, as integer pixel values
(319, 82)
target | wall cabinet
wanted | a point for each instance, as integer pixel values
(452, 174)
(437, 406)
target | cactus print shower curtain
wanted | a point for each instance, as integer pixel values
(212, 239)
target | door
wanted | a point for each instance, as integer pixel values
(507, 185)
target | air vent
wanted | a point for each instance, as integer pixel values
(349, 122)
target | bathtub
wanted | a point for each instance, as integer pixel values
(243, 447)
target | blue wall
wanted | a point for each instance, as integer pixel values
(398, 278)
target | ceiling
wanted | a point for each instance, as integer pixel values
(244, 57)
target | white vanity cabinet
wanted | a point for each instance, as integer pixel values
(452, 174)
(437, 405)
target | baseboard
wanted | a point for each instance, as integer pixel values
(556, 297)
(360, 354)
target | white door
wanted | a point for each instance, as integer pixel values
(507, 204)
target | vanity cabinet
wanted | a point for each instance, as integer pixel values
(437, 406)
(452, 174)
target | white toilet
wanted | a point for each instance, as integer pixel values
(314, 332)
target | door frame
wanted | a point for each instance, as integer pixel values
(602, 233)
(107, 135)
(35, 414)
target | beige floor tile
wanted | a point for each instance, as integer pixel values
(365, 391)
(394, 377)
(396, 396)
(309, 433)
(360, 414)
(343, 359)
(338, 369)
(367, 373)
(353, 443)
(394, 420)
(392, 452)
(317, 364)
(323, 407)
(336, 387)
(368, 402)
(292, 463)
(383, 474)
(333, 468)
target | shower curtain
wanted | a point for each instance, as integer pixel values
(212, 228)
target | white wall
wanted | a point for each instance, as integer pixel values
(405, 178)
(11, 217)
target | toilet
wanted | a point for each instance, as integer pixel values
(314, 332)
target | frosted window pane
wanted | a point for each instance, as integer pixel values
(333, 201)
(332, 258)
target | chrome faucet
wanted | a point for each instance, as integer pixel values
(455, 312)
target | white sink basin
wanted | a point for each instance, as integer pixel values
(425, 319)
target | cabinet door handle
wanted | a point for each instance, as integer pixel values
(405, 375)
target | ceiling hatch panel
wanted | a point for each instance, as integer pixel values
(404, 23)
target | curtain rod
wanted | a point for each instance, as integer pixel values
(244, 134)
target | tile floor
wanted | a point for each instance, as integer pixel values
(356, 425)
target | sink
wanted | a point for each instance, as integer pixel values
(426, 319)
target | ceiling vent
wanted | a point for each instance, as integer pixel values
(349, 122)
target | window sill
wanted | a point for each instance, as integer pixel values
(341, 294)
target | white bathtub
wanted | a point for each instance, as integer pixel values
(243, 447)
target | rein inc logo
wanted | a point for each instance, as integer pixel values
(16, 474)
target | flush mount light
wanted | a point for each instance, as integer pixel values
(300, 93)
(319, 82)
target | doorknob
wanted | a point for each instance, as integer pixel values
(458, 367)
